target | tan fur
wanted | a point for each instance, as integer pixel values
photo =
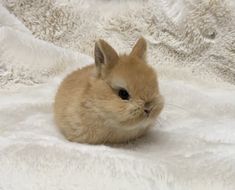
(88, 109)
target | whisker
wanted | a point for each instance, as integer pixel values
(175, 106)
(158, 122)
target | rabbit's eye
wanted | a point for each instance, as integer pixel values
(123, 94)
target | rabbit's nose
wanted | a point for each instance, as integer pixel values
(147, 108)
(147, 111)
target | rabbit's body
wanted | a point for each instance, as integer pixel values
(93, 106)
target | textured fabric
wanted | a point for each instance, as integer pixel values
(189, 33)
(191, 44)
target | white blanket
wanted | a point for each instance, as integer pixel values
(191, 44)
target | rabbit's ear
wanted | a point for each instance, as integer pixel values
(105, 57)
(140, 48)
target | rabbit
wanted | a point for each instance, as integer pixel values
(114, 100)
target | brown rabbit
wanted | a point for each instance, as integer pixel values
(115, 100)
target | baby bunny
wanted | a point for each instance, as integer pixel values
(115, 100)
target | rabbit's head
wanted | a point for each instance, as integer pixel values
(127, 89)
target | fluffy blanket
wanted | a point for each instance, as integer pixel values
(192, 46)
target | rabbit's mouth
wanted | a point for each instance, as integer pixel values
(139, 118)
(145, 119)
(141, 121)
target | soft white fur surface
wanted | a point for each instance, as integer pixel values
(191, 44)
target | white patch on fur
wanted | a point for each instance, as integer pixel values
(118, 83)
